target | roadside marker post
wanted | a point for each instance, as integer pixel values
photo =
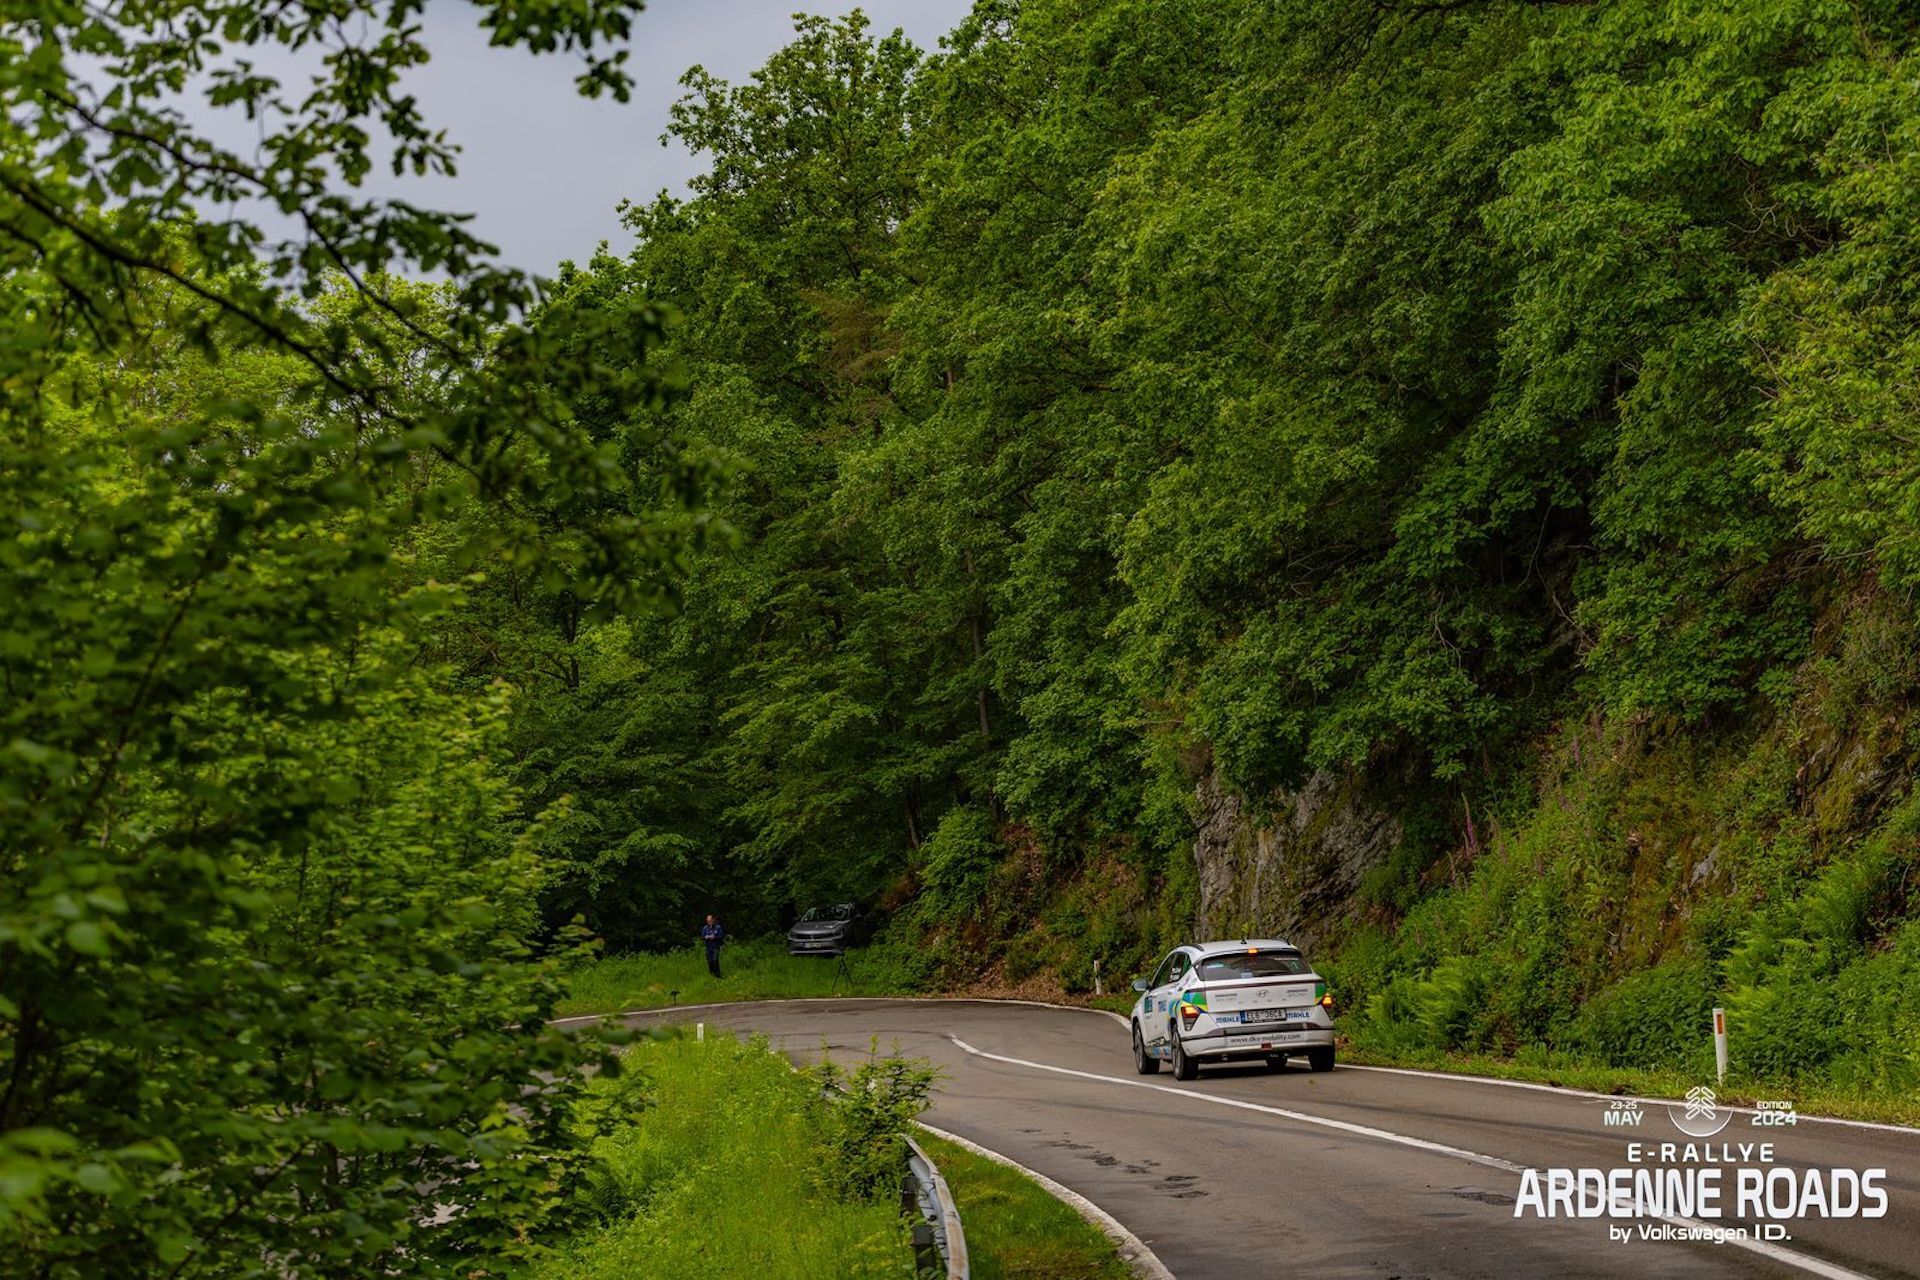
(1720, 1044)
(1096, 979)
(699, 1031)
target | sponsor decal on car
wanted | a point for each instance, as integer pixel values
(1265, 1039)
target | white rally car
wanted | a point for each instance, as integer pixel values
(1251, 999)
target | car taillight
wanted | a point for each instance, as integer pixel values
(1326, 1002)
(1189, 1013)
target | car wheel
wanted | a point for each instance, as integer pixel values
(1143, 1062)
(1276, 1062)
(1320, 1059)
(1184, 1068)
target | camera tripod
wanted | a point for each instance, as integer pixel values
(841, 971)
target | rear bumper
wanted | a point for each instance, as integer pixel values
(1256, 1043)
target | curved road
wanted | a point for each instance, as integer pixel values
(1358, 1172)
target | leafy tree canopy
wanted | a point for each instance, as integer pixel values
(268, 908)
(1130, 392)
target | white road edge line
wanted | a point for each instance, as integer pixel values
(1785, 1257)
(1141, 1259)
(1456, 1076)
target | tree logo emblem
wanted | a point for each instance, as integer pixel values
(1701, 1116)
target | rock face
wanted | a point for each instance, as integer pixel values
(1293, 874)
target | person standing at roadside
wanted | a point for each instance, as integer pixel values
(713, 935)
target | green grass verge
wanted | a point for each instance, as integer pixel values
(712, 1163)
(759, 969)
(713, 1158)
(1015, 1228)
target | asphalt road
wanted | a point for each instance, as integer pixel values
(1355, 1172)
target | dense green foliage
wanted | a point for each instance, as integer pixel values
(1135, 394)
(267, 894)
(1660, 875)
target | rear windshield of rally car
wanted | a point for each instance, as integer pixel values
(1231, 966)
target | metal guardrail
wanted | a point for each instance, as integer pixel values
(940, 1235)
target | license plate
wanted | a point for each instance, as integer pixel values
(1278, 1015)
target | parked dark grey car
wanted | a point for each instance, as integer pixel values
(823, 931)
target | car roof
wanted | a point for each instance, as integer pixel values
(1241, 944)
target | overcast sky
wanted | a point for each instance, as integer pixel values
(544, 169)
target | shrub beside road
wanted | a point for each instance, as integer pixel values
(718, 1157)
(712, 1164)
